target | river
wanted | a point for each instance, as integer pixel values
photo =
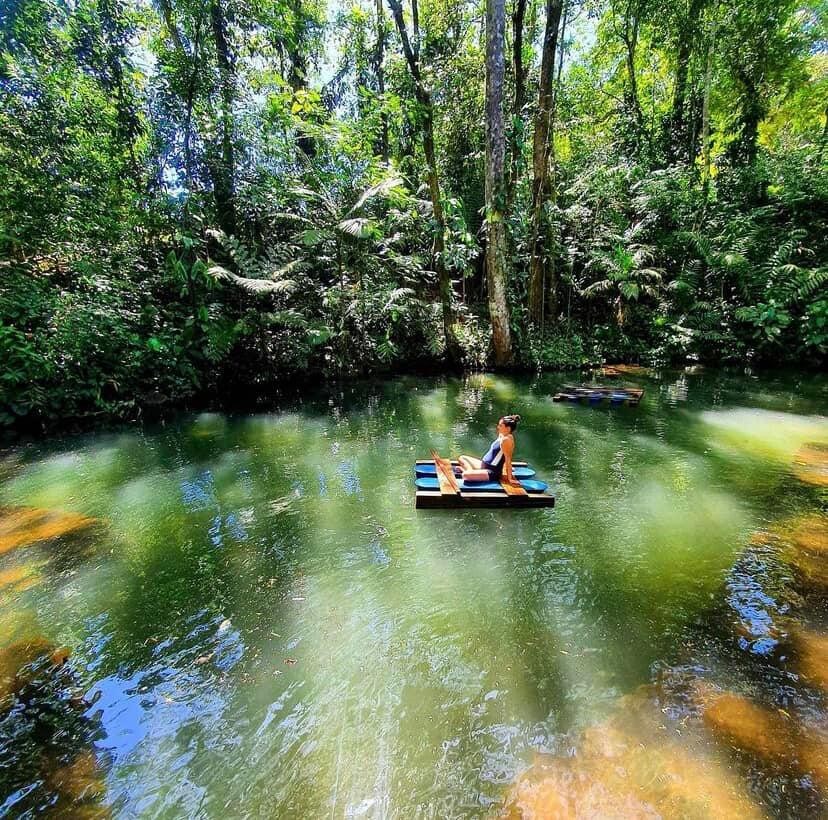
(244, 615)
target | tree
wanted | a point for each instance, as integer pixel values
(541, 149)
(495, 177)
(519, 69)
(223, 162)
(687, 29)
(426, 114)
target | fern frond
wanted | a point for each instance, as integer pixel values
(813, 282)
(252, 285)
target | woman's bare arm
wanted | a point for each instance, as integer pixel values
(508, 447)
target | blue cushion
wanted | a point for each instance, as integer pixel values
(430, 470)
(528, 484)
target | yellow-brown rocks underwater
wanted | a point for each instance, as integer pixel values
(20, 526)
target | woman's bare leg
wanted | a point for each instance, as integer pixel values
(473, 469)
(470, 463)
(476, 475)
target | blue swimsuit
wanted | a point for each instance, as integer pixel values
(493, 460)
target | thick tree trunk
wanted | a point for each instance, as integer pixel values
(744, 148)
(298, 72)
(423, 96)
(189, 101)
(224, 172)
(541, 150)
(518, 17)
(129, 124)
(495, 178)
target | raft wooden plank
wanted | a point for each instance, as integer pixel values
(445, 476)
(510, 490)
(455, 462)
(431, 499)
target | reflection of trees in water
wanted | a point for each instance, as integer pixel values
(46, 735)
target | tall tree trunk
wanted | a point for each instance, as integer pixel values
(379, 70)
(743, 150)
(298, 75)
(541, 150)
(630, 37)
(705, 137)
(298, 71)
(189, 100)
(188, 124)
(129, 126)
(224, 172)
(676, 137)
(495, 178)
(423, 96)
(518, 17)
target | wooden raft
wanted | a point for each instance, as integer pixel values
(450, 495)
(600, 392)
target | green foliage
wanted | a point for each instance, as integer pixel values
(198, 200)
(560, 351)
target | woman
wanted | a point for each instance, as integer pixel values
(496, 465)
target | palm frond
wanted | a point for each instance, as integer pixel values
(383, 188)
(595, 288)
(360, 227)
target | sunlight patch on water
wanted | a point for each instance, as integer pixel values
(763, 434)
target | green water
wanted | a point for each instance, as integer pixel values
(267, 626)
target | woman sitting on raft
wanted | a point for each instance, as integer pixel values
(496, 465)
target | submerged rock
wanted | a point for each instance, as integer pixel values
(803, 543)
(630, 766)
(746, 726)
(20, 526)
(811, 464)
(16, 664)
(811, 535)
(772, 736)
(46, 735)
(812, 650)
(79, 780)
(19, 578)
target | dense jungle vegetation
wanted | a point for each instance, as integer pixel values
(211, 197)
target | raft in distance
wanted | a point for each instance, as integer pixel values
(434, 492)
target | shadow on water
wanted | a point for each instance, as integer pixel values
(267, 622)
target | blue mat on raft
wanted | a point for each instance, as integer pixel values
(430, 471)
(482, 486)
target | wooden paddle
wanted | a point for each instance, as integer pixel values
(445, 475)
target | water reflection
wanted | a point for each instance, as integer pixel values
(260, 589)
